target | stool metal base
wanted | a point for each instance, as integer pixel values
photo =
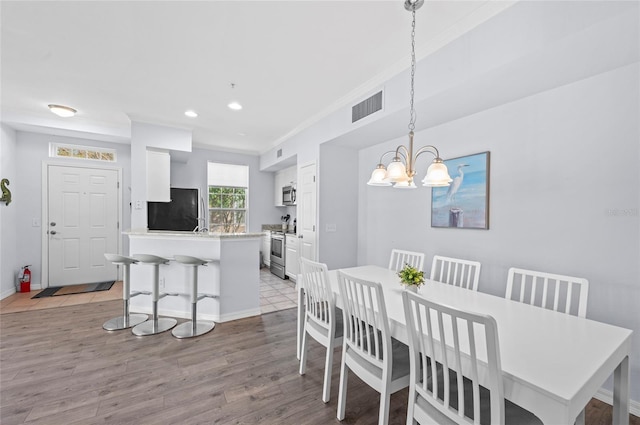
(185, 330)
(117, 323)
(152, 327)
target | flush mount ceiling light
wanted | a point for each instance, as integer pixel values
(236, 106)
(191, 114)
(62, 111)
(401, 170)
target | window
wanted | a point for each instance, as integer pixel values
(228, 196)
(58, 150)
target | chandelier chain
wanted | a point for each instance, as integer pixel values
(412, 112)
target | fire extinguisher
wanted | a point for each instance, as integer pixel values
(25, 279)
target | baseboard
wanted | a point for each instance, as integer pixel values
(7, 293)
(606, 396)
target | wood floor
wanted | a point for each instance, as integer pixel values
(59, 367)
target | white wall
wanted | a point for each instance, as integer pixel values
(337, 217)
(564, 196)
(193, 173)
(31, 150)
(9, 264)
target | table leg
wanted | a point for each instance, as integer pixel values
(621, 393)
(300, 323)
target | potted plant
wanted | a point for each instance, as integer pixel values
(411, 277)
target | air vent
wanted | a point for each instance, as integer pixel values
(279, 153)
(366, 107)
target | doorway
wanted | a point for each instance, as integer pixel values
(81, 221)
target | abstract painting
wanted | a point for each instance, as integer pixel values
(464, 204)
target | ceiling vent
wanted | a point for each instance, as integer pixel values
(366, 107)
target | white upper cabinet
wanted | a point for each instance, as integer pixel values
(158, 176)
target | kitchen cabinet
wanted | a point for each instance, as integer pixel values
(266, 248)
(158, 176)
(291, 265)
(282, 178)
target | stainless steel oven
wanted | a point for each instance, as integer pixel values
(277, 254)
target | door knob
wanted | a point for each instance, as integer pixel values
(53, 232)
(53, 223)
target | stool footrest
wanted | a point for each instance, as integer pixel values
(135, 293)
(168, 294)
(201, 296)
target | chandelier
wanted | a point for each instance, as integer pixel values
(401, 171)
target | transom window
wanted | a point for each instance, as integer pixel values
(228, 197)
(59, 150)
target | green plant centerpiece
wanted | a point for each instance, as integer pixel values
(411, 277)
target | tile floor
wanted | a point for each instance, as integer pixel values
(275, 294)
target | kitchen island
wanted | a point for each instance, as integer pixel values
(233, 275)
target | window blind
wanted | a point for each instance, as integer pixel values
(227, 175)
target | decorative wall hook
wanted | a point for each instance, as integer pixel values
(6, 193)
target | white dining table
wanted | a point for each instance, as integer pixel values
(552, 363)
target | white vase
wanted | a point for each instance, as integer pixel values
(412, 288)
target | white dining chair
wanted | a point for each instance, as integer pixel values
(400, 258)
(368, 350)
(457, 272)
(464, 384)
(321, 322)
(562, 293)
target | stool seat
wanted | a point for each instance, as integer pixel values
(127, 320)
(150, 259)
(120, 259)
(194, 327)
(156, 324)
(194, 261)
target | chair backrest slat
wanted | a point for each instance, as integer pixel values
(319, 301)
(457, 272)
(565, 294)
(400, 258)
(466, 342)
(365, 318)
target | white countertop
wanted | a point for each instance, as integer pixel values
(198, 235)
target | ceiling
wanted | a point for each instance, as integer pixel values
(289, 63)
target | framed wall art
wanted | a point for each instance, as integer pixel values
(465, 203)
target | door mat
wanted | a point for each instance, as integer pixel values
(55, 291)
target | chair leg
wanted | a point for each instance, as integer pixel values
(342, 391)
(303, 353)
(412, 404)
(385, 401)
(326, 389)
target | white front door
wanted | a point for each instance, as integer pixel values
(82, 224)
(307, 211)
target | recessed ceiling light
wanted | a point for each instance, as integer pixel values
(235, 106)
(62, 111)
(191, 114)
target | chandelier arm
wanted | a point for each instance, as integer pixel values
(406, 155)
(429, 148)
(385, 154)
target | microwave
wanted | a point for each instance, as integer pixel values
(288, 195)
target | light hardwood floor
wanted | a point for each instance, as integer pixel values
(57, 366)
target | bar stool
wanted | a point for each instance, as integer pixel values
(194, 327)
(126, 320)
(154, 325)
